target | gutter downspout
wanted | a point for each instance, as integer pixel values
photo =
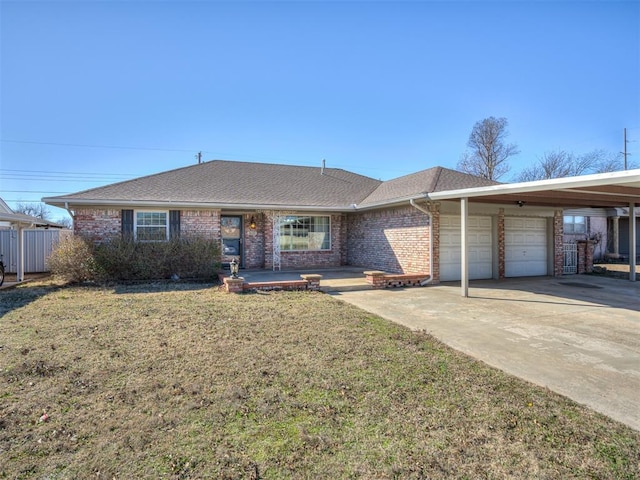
(71, 214)
(428, 213)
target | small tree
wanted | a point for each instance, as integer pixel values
(489, 151)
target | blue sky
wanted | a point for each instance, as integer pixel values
(95, 92)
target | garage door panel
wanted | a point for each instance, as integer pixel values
(480, 248)
(525, 246)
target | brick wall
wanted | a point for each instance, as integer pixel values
(304, 259)
(200, 222)
(434, 208)
(101, 224)
(501, 245)
(585, 256)
(394, 240)
(97, 224)
(558, 240)
(253, 251)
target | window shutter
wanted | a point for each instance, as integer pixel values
(174, 224)
(127, 224)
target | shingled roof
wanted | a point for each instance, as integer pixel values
(436, 179)
(231, 184)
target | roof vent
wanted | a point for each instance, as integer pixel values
(324, 164)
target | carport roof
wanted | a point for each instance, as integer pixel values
(19, 218)
(615, 189)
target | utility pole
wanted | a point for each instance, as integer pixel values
(199, 157)
(625, 149)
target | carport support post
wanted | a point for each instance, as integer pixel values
(20, 265)
(464, 250)
(633, 235)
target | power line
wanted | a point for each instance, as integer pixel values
(44, 179)
(48, 172)
(30, 191)
(84, 145)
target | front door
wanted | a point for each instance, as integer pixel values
(231, 233)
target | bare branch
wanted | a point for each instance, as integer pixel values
(489, 152)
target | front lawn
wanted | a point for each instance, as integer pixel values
(179, 380)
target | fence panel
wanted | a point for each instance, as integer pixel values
(38, 245)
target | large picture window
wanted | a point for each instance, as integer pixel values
(575, 224)
(151, 226)
(299, 232)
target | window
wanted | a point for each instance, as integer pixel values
(575, 224)
(151, 226)
(305, 233)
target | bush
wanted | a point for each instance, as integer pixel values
(77, 260)
(187, 257)
(73, 260)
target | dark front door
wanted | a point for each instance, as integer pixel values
(231, 233)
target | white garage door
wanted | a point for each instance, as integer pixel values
(479, 237)
(525, 250)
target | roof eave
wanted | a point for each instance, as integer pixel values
(74, 203)
(595, 180)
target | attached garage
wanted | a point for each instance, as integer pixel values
(480, 247)
(526, 246)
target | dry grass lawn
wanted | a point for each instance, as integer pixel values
(178, 380)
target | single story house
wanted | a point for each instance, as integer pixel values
(449, 224)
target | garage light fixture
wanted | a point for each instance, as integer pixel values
(520, 203)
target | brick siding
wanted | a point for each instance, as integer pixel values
(200, 222)
(558, 240)
(308, 258)
(100, 225)
(394, 240)
(96, 224)
(253, 243)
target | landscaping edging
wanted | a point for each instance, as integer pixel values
(378, 279)
(238, 285)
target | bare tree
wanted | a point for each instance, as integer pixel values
(65, 222)
(489, 151)
(36, 209)
(560, 164)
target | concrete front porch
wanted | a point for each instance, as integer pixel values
(339, 279)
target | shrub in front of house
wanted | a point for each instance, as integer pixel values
(186, 257)
(72, 260)
(121, 259)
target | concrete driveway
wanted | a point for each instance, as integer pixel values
(577, 335)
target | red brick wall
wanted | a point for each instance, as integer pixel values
(435, 250)
(305, 259)
(97, 224)
(394, 240)
(558, 240)
(253, 246)
(200, 222)
(501, 245)
(101, 224)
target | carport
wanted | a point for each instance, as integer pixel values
(603, 190)
(21, 222)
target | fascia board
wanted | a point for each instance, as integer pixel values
(74, 203)
(595, 180)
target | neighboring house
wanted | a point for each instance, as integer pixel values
(587, 224)
(281, 216)
(618, 245)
